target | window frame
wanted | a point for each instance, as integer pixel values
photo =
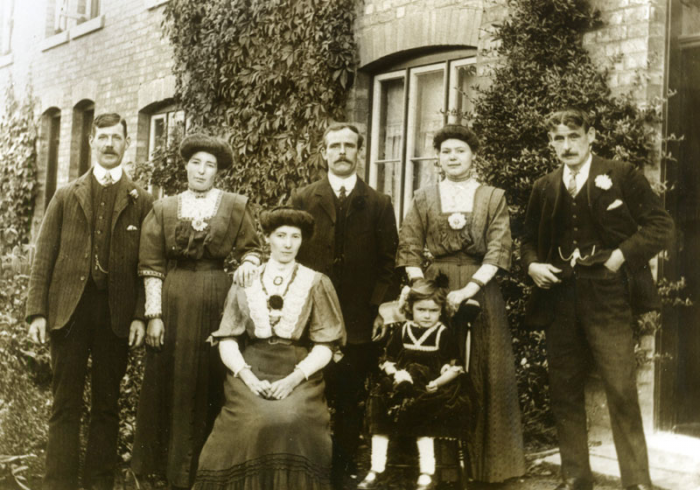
(410, 72)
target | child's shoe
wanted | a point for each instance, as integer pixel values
(426, 482)
(372, 481)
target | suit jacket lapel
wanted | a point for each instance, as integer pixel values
(598, 167)
(554, 189)
(122, 200)
(359, 195)
(84, 196)
(325, 195)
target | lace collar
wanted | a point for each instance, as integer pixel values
(294, 302)
(458, 196)
(192, 206)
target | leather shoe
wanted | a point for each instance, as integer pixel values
(575, 484)
(638, 487)
(372, 481)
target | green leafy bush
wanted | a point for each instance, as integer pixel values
(543, 66)
(268, 75)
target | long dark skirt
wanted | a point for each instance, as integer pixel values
(495, 445)
(182, 389)
(260, 444)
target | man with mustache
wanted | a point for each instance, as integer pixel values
(85, 298)
(354, 243)
(591, 227)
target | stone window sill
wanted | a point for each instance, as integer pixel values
(55, 40)
(87, 27)
(6, 60)
(151, 4)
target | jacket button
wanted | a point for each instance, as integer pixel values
(82, 278)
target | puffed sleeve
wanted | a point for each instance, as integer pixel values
(234, 318)
(152, 260)
(499, 243)
(326, 320)
(412, 236)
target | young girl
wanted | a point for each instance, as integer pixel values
(423, 390)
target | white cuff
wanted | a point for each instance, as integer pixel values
(388, 367)
(316, 359)
(231, 356)
(485, 273)
(154, 288)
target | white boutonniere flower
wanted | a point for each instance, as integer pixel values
(199, 224)
(133, 195)
(457, 221)
(603, 181)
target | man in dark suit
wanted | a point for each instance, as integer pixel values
(591, 228)
(84, 291)
(354, 243)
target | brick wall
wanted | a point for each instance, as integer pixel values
(122, 67)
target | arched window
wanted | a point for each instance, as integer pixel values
(83, 115)
(410, 102)
(50, 139)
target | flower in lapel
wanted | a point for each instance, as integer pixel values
(133, 195)
(457, 221)
(358, 202)
(603, 181)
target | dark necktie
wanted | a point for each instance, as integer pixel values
(571, 187)
(107, 180)
(342, 194)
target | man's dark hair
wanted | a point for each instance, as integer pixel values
(571, 116)
(339, 126)
(107, 120)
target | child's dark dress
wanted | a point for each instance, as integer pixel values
(409, 409)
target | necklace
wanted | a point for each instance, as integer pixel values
(275, 302)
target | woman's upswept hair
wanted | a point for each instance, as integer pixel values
(457, 132)
(435, 289)
(287, 216)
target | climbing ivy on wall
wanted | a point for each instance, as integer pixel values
(18, 179)
(267, 74)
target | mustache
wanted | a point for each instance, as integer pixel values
(569, 154)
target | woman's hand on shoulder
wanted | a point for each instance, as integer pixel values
(259, 388)
(246, 274)
(281, 389)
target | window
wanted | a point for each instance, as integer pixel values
(6, 13)
(51, 128)
(409, 106)
(163, 128)
(83, 115)
(69, 13)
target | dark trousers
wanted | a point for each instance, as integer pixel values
(88, 334)
(593, 327)
(345, 390)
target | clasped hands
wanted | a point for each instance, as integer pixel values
(279, 390)
(401, 376)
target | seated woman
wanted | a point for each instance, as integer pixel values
(275, 337)
(422, 390)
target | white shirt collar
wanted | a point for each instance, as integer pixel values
(100, 172)
(582, 174)
(338, 182)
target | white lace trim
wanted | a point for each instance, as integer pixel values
(458, 196)
(191, 207)
(294, 302)
(417, 344)
(154, 288)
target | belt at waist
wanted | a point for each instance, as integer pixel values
(275, 340)
(461, 258)
(200, 265)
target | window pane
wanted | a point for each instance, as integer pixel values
(429, 101)
(390, 138)
(465, 82)
(176, 122)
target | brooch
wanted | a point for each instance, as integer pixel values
(457, 221)
(603, 181)
(199, 224)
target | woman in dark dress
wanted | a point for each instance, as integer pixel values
(465, 227)
(275, 337)
(184, 242)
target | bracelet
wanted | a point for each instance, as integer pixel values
(253, 259)
(153, 316)
(477, 282)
